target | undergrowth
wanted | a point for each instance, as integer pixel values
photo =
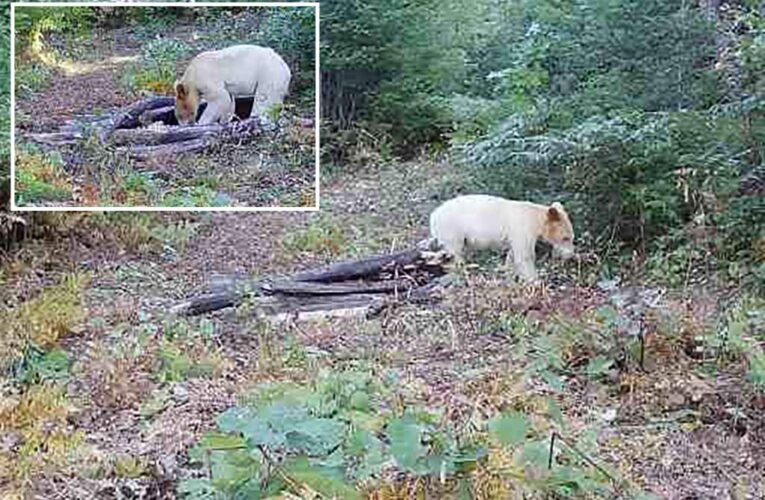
(40, 178)
(41, 321)
(344, 436)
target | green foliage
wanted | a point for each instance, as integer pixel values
(325, 437)
(740, 336)
(186, 351)
(524, 453)
(614, 108)
(40, 177)
(393, 64)
(509, 429)
(30, 78)
(33, 22)
(156, 72)
(323, 237)
(39, 366)
(195, 196)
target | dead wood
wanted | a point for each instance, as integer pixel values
(289, 287)
(410, 275)
(146, 143)
(355, 269)
(151, 137)
(173, 149)
(56, 138)
(165, 115)
(130, 118)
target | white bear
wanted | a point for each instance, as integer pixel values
(482, 221)
(219, 76)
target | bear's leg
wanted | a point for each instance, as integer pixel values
(456, 249)
(266, 97)
(220, 107)
(523, 258)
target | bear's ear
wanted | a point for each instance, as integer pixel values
(555, 211)
(180, 90)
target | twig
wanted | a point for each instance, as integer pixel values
(584, 456)
(287, 479)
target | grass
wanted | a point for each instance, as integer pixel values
(31, 77)
(324, 237)
(156, 70)
(40, 178)
(39, 421)
(41, 321)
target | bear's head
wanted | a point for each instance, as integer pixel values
(186, 103)
(558, 231)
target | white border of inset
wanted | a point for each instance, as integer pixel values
(191, 3)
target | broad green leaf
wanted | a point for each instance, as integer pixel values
(215, 441)
(509, 430)
(233, 419)
(360, 401)
(197, 489)
(598, 366)
(318, 479)
(316, 436)
(536, 453)
(556, 414)
(231, 469)
(552, 380)
(367, 450)
(405, 444)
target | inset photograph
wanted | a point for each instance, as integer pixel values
(165, 108)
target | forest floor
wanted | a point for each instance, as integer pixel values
(141, 387)
(81, 77)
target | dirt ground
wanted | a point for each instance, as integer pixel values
(86, 77)
(671, 429)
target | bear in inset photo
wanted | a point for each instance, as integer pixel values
(222, 75)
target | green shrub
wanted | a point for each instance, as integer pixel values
(156, 72)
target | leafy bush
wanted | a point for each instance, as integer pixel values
(39, 421)
(337, 437)
(740, 335)
(33, 22)
(156, 71)
(617, 113)
(323, 437)
(40, 178)
(40, 322)
(324, 237)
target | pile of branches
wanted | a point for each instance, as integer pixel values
(149, 129)
(354, 287)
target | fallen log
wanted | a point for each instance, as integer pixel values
(410, 275)
(151, 137)
(130, 118)
(142, 144)
(56, 138)
(356, 269)
(289, 287)
(173, 149)
(165, 115)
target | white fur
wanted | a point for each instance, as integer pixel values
(482, 221)
(240, 70)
